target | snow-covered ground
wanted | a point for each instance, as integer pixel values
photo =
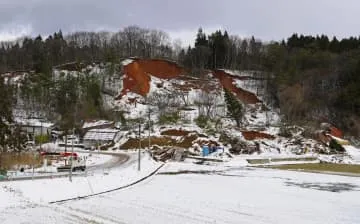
(93, 159)
(353, 152)
(224, 193)
(229, 192)
(47, 190)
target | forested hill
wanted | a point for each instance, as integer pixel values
(312, 77)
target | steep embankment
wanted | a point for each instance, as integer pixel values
(138, 75)
(228, 82)
(139, 72)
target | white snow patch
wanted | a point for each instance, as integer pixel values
(353, 152)
(90, 124)
(127, 61)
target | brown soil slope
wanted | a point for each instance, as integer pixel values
(251, 135)
(227, 81)
(137, 79)
(138, 74)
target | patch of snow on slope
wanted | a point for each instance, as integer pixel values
(126, 62)
(95, 123)
(353, 152)
(238, 73)
(248, 85)
(160, 85)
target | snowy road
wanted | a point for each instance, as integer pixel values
(106, 161)
(118, 159)
(216, 195)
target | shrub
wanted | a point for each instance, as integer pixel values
(147, 125)
(41, 139)
(3, 172)
(285, 132)
(201, 121)
(122, 119)
(186, 121)
(169, 118)
(336, 146)
(210, 131)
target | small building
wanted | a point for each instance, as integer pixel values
(35, 126)
(96, 137)
(97, 124)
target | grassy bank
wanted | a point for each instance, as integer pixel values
(321, 167)
(264, 161)
(13, 160)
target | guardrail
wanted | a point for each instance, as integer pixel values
(38, 177)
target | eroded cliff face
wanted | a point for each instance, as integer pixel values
(138, 74)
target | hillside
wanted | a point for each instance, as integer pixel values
(185, 111)
(176, 101)
(311, 79)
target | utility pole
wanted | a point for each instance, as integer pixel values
(41, 134)
(72, 145)
(72, 153)
(149, 129)
(139, 155)
(33, 166)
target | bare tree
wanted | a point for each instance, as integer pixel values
(183, 96)
(177, 46)
(163, 101)
(206, 103)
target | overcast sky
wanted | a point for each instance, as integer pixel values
(265, 19)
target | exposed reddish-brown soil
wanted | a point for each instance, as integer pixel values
(175, 132)
(186, 141)
(251, 135)
(160, 68)
(138, 73)
(227, 81)
(137, 79)
(133, 143)
(336, 132)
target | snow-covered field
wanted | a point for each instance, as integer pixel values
(188, 193)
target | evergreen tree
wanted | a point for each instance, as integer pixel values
(234, 107)
(6, 118)
(201, 39)
(334, 45)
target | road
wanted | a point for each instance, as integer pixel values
(118, 159)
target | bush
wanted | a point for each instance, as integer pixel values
(3, 172)
(210, 131)
(41, 139)
(336, 146)
(201, 121)
(186, 121)
(285, 132)
(170, 118)
(147, 125)
(225, 139)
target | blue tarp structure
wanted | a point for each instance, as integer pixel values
(205, 150)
